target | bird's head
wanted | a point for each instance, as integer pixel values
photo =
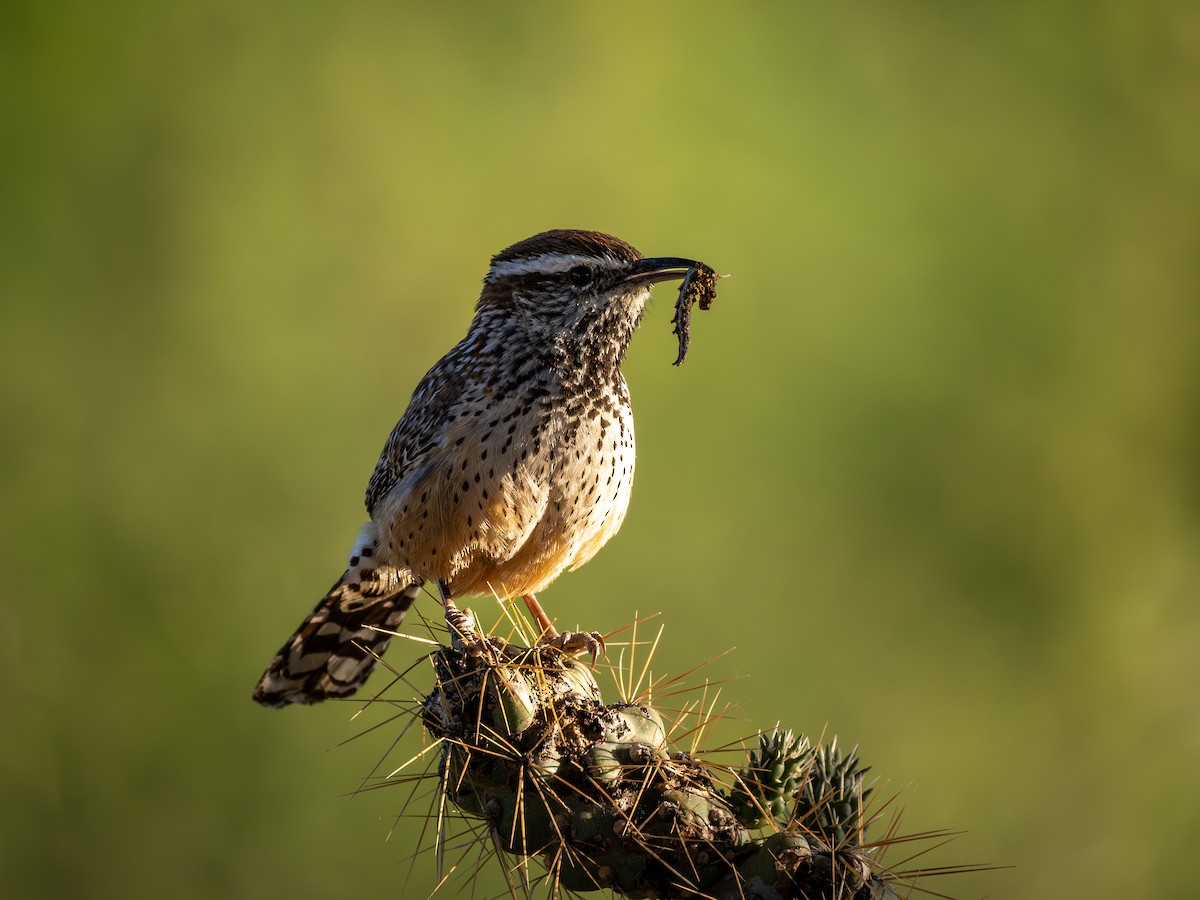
(569, 286)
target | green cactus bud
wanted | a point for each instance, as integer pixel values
(829, 804)
(765, 789)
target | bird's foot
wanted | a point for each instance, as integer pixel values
(465, 635)
(572, 643)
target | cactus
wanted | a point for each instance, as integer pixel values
(597, 793)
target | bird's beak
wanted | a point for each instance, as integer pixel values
(659, 268)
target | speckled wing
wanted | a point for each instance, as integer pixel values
(421, 427)
(460, 484)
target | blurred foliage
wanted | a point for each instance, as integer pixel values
(946, 414)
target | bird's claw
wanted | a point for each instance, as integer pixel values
(465, 636)
(572, 643)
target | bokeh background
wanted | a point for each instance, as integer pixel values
(932, 466)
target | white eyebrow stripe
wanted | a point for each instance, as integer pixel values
(551, 263)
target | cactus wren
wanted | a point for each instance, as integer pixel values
(512, 463)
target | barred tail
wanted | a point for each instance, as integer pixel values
(337, 646)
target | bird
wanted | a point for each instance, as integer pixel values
(512, 463)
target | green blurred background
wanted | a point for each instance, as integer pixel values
(932, 465)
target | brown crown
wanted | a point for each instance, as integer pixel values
(572, 242)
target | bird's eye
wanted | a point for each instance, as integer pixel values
(580, 275)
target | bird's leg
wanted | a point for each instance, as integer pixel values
(548, 630)
(464, 632)
(569, 642)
